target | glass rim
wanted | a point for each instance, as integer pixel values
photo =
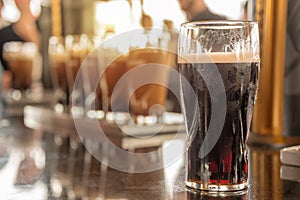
(218, 24)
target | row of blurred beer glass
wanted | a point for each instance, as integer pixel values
(85, 71)
(66, 55)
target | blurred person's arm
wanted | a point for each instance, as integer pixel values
(26, 26)
(25, 29)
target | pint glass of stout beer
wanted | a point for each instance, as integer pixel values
(219, 66)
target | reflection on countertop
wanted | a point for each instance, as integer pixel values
(43, 165)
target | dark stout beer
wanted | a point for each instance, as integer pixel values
(227, 162)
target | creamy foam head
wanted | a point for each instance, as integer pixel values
(218, 57)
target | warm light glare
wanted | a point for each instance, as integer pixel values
(164, 9)
(11, 13)
(8, 175)
(35, 7)
(128, 19)
(119, 15)
(232, 9)
(112, 15)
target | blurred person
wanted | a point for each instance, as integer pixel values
(24, 29)
(197, 10)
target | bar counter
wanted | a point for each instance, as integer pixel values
(36, 164)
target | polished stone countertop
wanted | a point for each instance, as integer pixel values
(36, 164)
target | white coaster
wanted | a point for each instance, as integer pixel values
(290, 155)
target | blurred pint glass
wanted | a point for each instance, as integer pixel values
(146, 50)
(58, 57)
(24, 61)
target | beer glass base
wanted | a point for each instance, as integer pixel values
(216, 187)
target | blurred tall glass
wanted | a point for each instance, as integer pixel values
(66, 56)
(219, 60)
(24, 61)
(58, 57)
(78, 47)
(145, 50)
(90, 73)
